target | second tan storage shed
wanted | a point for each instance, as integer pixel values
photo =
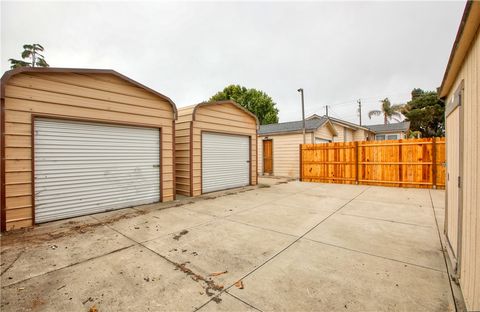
(216, 148)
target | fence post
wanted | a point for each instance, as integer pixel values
(400, 164)
(301, 163)
(356, 162)
(434, 162)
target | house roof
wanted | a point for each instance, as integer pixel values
(393, 127)
(293, 126)
(347, 123)
(339, 121)
(465, 36)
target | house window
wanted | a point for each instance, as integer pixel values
(392, 137)
(380, 137)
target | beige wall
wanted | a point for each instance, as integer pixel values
(286, 151)
(286, 161)
(222, 118)
(324, 132)
(362, 135)
(401, 135)
(89, 97)
(182, 150)
(344, 134)
(470, 251)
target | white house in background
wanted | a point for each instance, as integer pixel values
(393, 131)
(347, 131)
(278, 144)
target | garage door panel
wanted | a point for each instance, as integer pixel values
(83, 168)
(225, 161)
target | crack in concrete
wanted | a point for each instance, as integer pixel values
(68, 266)
(210, 284)
(243, 301)
(288, 246)
(337, 246)
(234, 213)
(260, 228)
(13, 262)
(386, 220)
(373, 255)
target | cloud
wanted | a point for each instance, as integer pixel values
(337, 52)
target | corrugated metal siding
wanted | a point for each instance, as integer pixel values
(225, 161)
(83, 168)
(470, 235)
(89, 97)
(223, 118)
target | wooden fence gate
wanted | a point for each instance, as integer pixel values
(404, 163)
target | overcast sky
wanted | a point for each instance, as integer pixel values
(337, 52)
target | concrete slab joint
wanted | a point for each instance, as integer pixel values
(285, 246)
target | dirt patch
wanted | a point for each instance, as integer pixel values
(207, 282)
(179, 235)
(37, 302)
(39, 235)
(263, 186)
(216, 299)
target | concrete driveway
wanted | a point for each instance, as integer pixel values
(292, 247)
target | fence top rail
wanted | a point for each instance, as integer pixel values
(351, 145)
(307, 148)
(374, 144)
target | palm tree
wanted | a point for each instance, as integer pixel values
(31, 51)
(388, 111)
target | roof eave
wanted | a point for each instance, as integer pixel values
(287, 132)
(463, 40)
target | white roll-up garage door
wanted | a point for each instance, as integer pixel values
(83, 168)
(225, 161)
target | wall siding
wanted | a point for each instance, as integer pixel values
(286, 150)
(323, 132)
(89, 97)
(285, 153)
(470, 253)
(222, 118)
(182, 150)
(360, 135)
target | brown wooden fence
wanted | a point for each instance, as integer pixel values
(404, 163)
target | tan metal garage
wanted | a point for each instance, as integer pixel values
(216, 148)
(81, 141)
(461, 91)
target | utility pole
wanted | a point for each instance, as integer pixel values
(33, 55)
(360, 110)
(303, 115)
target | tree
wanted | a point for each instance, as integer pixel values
(425, 111)
(256, 101)
(388, 111)
(32, 52)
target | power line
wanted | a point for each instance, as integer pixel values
(352, 101)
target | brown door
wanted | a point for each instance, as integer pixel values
(267, 157)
